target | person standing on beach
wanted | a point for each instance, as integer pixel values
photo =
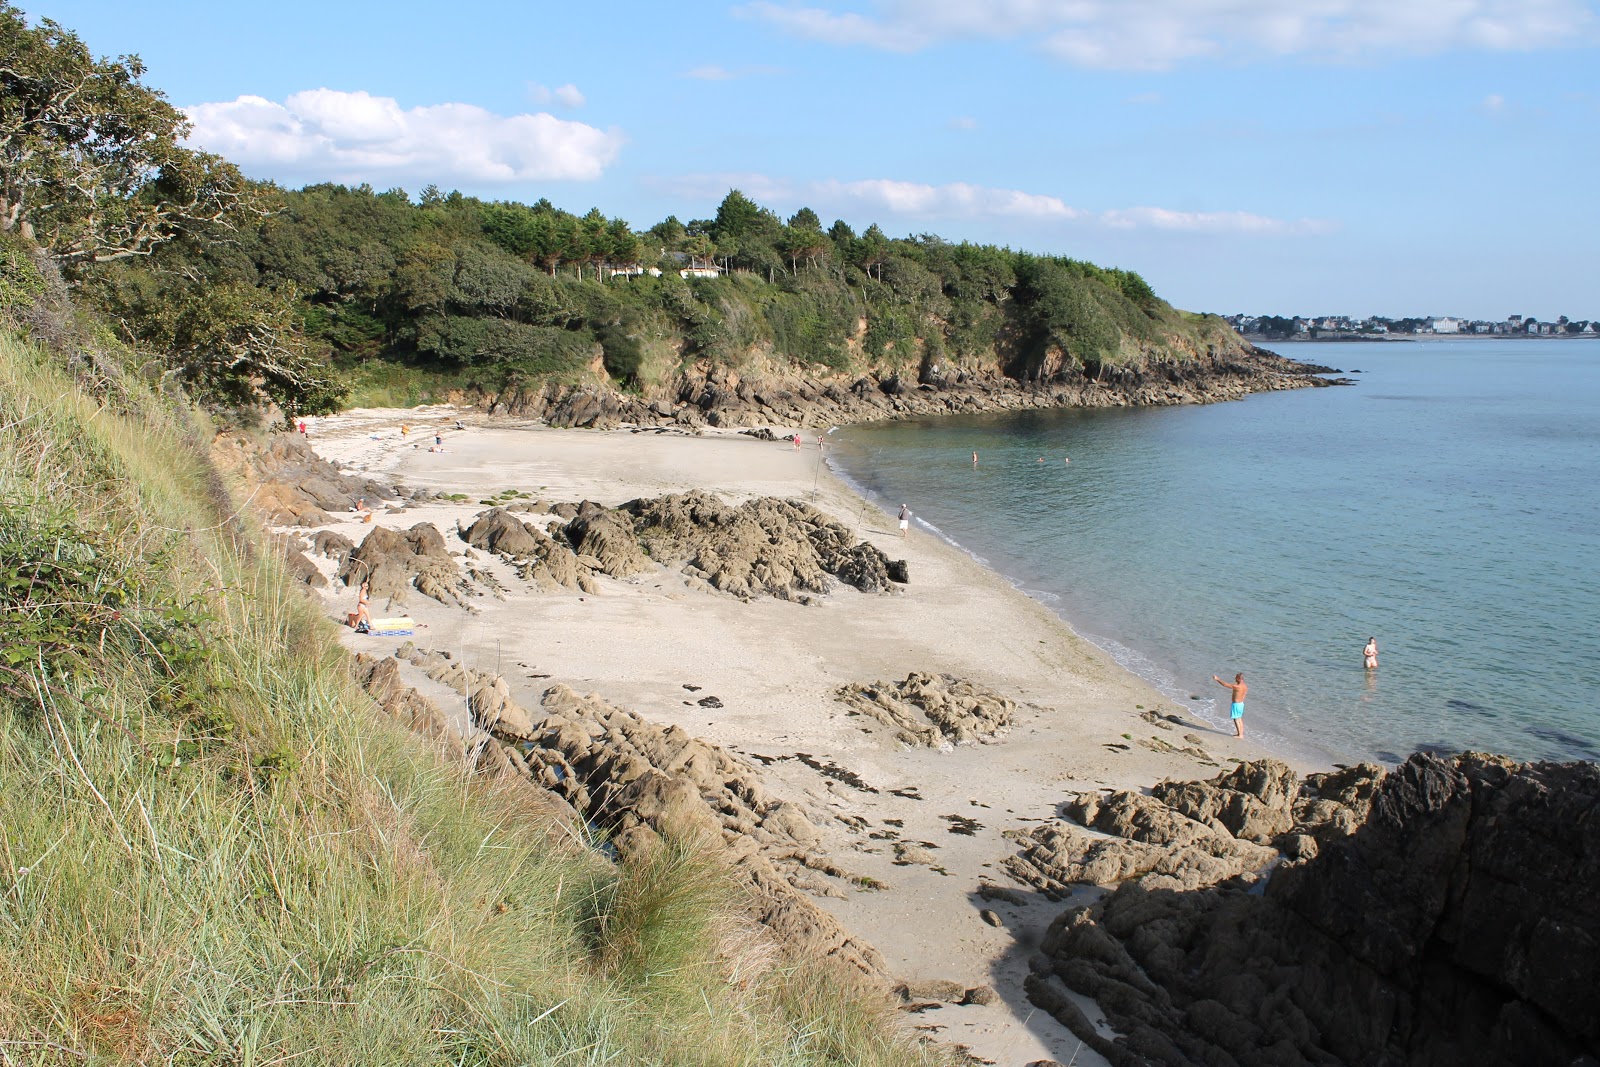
(905, 519)
(1369, 655)
(1236, 712)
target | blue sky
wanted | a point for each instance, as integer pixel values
(1287, 156)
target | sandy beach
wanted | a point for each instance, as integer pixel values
(661, 645)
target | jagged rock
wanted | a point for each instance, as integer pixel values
(391, 561)
(762, 547)
(539, 558)
(288, 482)
(299, 565)
(497, 530)
(1254, 801)
(642, 781)
(936, 710)
(1458, 923)
(608, 536)
(1175, 371)
(899, 571)
(332, 544)
(381, 678)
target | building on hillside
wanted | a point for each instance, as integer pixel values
(1447, 325)
(694, 266)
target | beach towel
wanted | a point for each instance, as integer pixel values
(393, 627)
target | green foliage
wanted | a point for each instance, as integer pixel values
(216, 850)
(90, 161)
(21, 283)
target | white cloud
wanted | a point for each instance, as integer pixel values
(955, 200)
(711, 72)
(567, 95)
(325, 134)
(1494, 104)
(1237, 222)
(963, 122)
(1157, 34)
(964, 201)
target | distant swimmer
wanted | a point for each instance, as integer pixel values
(1066, 459)
(1039, 460)
(905, 519)
(1236, 712)
(974, 459)
(1370, 654)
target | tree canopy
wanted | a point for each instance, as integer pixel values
(90, 162)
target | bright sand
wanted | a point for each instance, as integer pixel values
(775, 666)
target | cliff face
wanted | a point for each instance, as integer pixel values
(718, 396)
(1459, 923)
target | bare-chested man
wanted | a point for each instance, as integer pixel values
(1236, 712)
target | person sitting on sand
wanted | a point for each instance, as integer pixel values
(361, 504)
(363, 612)
(460, 425)
(1370, 654)
(1236, 712)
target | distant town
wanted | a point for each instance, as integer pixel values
(1346, 328)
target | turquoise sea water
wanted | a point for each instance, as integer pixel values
(1448, 504)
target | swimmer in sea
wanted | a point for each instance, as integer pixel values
(974, 460)
(1369, 655)
(1236, 711)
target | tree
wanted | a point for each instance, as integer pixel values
(90, 164)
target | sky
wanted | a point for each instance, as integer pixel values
(1295, 157)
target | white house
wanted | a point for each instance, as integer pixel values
(1447, 325)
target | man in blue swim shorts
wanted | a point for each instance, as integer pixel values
(1237, 711)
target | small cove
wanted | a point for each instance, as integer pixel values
(1445, 505)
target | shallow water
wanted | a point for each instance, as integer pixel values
(1446, 504)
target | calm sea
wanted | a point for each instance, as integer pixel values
(1448, 504)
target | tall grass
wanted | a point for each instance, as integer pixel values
(214, 850)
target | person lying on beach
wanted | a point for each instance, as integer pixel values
(1236, 712)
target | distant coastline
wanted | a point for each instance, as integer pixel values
(1379, 338)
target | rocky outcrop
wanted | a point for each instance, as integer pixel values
(762, 547)
(1186, 835)
(717, 396)
(1457, 921)
(392, 562)
(288, 483)
(933, 710)
(538, 557)
(642, 782)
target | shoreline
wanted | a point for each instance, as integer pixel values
(1274, 746)
(917, 832)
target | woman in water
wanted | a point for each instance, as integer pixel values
(1370, 654)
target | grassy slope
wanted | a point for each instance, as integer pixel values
(215, 851)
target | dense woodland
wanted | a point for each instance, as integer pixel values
(242, 288)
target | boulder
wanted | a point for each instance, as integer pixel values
(1457, 922)
(934, 710)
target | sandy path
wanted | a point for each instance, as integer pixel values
(774, 667)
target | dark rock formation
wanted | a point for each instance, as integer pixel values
(766, 546)
(641, 781)
(538, 557)
(936, 710)
(392, 562)
(720, 397)
(289, 484)
(1457, 922)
